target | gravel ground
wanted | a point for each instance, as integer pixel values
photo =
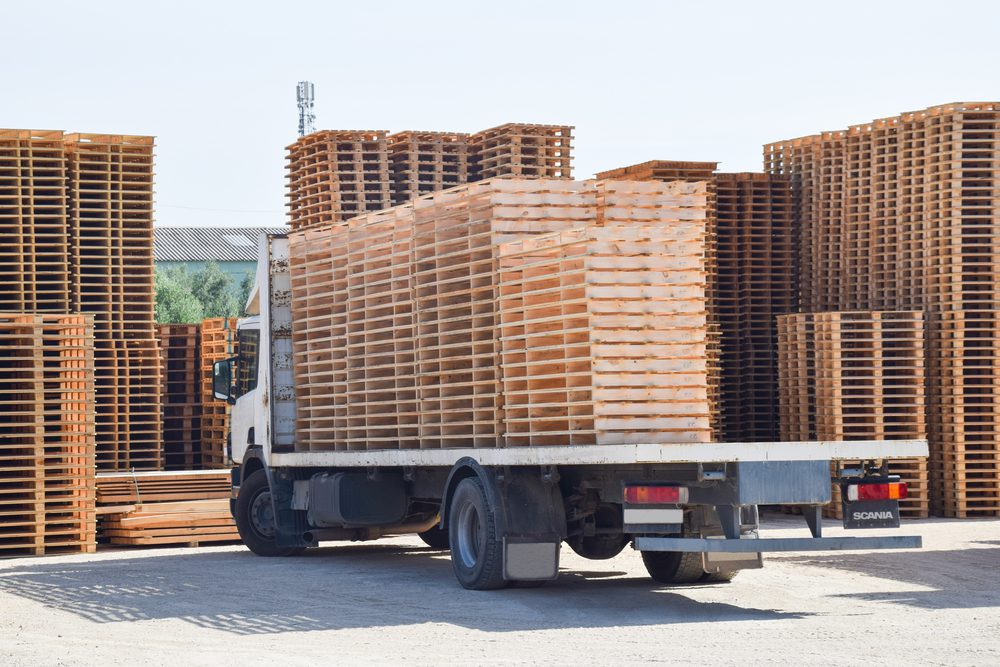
(395, 600)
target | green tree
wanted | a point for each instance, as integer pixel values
(214, 289)
(175, 304)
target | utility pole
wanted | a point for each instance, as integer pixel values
(305, 95)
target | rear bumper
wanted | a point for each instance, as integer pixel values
(696, 544)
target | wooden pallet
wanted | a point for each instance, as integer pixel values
(189, 523)
(425, 162)
(218, 341)
(522, 150)
(180, 394)
(47, 435)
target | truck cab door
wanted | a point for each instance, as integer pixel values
(243, 415)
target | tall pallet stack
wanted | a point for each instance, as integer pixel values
(425, 162)
(416, 355)
(111, 217)
(900, 213)
(47, 460)
(181, 394)
(857, 375)
(217, 342)
(76, 215)
(335, 175)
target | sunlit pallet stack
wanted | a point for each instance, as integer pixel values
(336, 175)
(604, 327)
(218, 341)
(181, 394)
(857, 375)
(522, 150)
(414, 356)
(186, 508)
(425, 162)
(900, 213)
(47, 460)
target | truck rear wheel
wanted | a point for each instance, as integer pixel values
(673, 567)
(255, 517)
(476, 553)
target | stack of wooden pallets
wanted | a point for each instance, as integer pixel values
(335, 175)
(217, 342)
(900, 213)
(111, 218)
(46, 434)
(857, 375)
(416, 355)
(522, 150)
(186, 508)
(181, 394)
(424, 162)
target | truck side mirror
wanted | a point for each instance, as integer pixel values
(222, 380)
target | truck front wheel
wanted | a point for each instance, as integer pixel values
(476, 553)
(255, 517)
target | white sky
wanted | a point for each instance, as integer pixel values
(215, 81)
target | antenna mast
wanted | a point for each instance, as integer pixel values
(305, 95)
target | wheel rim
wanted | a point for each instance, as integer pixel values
(262, 515)
(469, 535)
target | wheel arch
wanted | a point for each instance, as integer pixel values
(468, 467)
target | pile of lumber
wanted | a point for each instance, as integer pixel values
(217, 342)
(900, 214)
(399, 327)
(856, 375)
(76, 217)
(46, 434)
(161, 508)
(335, 175)
(181, 394)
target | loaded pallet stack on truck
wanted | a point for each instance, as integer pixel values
(502, 367)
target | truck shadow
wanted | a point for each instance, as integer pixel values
(953, 579)
(345, 587)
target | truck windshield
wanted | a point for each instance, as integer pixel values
(246, 365)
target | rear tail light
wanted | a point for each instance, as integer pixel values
(656, 495)
(881, 491)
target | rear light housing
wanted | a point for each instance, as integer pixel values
(876, 491)
(656, 495)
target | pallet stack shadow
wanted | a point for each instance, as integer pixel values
(46, 434)
(335, 175)
(900, 214)
(186, 508)
(414, 327)
(217, 342)
(751, 279)
(76, 214)
(181, 394)
(856, 375)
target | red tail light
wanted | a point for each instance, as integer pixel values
(656, 495)
(886, 491)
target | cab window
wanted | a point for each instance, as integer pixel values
(246, 366)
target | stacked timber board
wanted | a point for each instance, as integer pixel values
(335, 175)
(76, 215)
(398, 325)
(181, 394)
(857, 375)
(900, 213)
(46, 434)
(163, 508)
(217, 342)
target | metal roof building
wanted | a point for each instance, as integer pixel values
(234, 249)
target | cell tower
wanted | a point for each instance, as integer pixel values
(305, 95)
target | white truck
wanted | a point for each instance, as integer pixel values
(690, 509)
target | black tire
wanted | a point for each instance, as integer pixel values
(253, 514)
(476, 553)
(723, 577)
(599, 547)
(435, 538)
(673, 567)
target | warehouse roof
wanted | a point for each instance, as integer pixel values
(199, 244)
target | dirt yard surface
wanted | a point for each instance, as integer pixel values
(396, 601)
